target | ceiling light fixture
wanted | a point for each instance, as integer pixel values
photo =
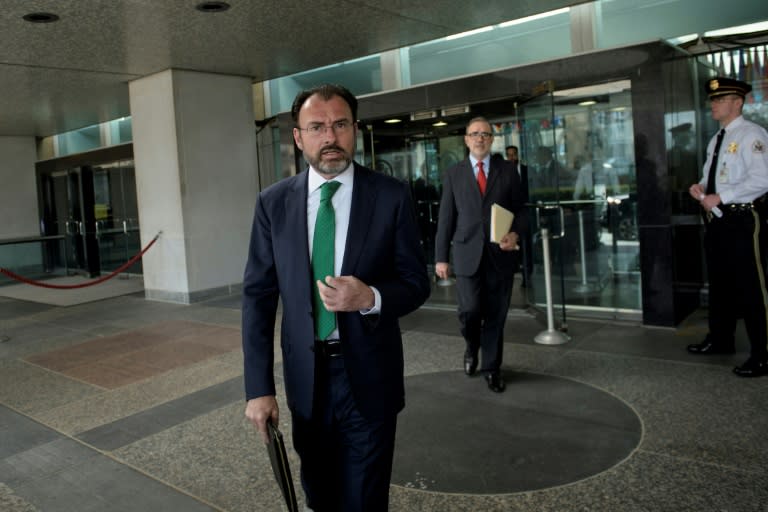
(468, 33)
(455, 110)
(742, 29)
(393, 120)
(40, 17)
(439, 124)
(212, 6)
(543, 15)
(423, 114)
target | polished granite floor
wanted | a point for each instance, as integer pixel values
(125, 404)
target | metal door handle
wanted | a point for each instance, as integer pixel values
(542, 206)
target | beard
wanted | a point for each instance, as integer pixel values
(329, 167)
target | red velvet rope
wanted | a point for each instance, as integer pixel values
(42, 284)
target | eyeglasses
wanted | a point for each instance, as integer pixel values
(480, 135)
(319, 129)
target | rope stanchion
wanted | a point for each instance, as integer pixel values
(43, 284)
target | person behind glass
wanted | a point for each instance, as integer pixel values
(484, 270)
(550, 176)
(591, 182)
(343, 370)
(735, 179)
(513, 155)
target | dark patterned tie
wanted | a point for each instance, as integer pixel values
(481, 178)
(711, 178)
(322, 256)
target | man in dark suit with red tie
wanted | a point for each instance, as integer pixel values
(484, 270)
(340, 339)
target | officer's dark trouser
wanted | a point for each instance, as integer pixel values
(736, 263)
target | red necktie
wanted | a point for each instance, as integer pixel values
(481, 178)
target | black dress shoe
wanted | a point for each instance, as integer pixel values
(470, 364)
(708, 347)
(495, 382)
(752, 368)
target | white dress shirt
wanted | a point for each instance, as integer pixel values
(742, 165)
(486, 165)
(342, 206)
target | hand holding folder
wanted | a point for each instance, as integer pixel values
(279, 459)
(501, 223)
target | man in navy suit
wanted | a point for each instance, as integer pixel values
(344, 390)
(484, 270)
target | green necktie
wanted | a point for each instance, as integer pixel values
(322, 256)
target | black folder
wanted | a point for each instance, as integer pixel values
(279, 460)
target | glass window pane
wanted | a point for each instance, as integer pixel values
(498, 47)
(622, 22)
(78, 141)
(361, 76)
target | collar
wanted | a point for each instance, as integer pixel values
(486, 162)
(316, 179)
(733, 124)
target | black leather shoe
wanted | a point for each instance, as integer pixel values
(752, 368)
(495, 382)
(470, 364)
(708, 347)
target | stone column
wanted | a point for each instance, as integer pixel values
(196, 181)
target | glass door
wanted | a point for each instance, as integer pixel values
(95, 209)
(417, 151)
(547, 177)
(116, 215)
(579, 146)
(63, 207)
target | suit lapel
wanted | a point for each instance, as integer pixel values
(360, 219)
(296, 231)
(493, 176)
(468, 187)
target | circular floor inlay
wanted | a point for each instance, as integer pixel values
(456, 436)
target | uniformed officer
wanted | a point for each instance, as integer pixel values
(731, 193)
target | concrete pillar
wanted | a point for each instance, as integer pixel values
(196, 181)
(18, 193)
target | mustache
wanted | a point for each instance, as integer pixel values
(332, 147)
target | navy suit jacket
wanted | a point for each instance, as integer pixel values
(464, 221)
(383, 249)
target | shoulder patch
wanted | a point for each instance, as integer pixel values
(758, 147)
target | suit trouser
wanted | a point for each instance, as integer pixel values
(346, 460)
(736, 263)
(483, 306)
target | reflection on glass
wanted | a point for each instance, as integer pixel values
(579, 158)
(582, 162)
(116, 214)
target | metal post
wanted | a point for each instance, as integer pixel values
(584, 287)
(550, 336)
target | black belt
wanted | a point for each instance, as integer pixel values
(737, 207)
(733, 209)
(328, 348)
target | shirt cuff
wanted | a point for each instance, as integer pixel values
(376, 304)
